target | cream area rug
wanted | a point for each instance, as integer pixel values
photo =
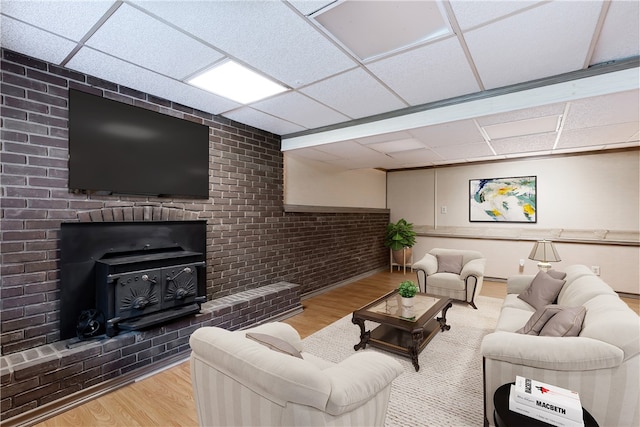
(447, 390)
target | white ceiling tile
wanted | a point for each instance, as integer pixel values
(140, 39)
(601, 110)
(620, 35)
(307, 7)
(355, 94)
(300, 109)
(396, 146)
(601, 135)
(384, 137)
(312, 154)
(540, 43)
(466, 151)
(526, 114)
(70, 19)
(429, 73)
(115, 70)
(472, 13)
(454, 133)
(33, 41)
(298, 55)
(416, 157)
(260, 120)
(350, 150)
(528, 143)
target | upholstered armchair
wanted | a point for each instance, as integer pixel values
(452, 273)
(261, 376)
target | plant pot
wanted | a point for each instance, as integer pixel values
(407, 307)
(402, 256)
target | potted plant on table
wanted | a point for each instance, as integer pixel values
(400, 238)
(407, 291)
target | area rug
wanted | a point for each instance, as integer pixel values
(447, 390)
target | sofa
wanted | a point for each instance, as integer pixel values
(451, 273)
(262, 376)
(596, 353)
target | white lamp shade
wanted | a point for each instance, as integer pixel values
(544, 251)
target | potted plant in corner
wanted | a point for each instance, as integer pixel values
(407, 291)
(400, 238)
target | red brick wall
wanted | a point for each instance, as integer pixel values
(252, 242)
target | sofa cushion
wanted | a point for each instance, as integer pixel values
(274, 343)
(449, 263)
(583, 289)
(560, 275)
(538, 319)
(543, 290)
(566, 323)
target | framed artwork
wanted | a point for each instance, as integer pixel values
(503, 200)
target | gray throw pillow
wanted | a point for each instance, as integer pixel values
(538, 319)
(449, 263)
(274, 343)
(543, 290)
(557, 274)
(566, 323)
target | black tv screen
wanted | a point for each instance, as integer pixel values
(116, 148)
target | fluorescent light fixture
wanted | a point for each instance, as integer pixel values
(373, 28)
(522, 127)
(397, 146)
(236, 82)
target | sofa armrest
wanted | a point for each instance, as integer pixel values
(475, 267)
(428, 263)
(358, 378)
(518, 284)
(554, 353)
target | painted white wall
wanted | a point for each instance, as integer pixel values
(588, 192)
(312, 183)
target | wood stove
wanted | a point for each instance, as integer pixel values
(130, 275)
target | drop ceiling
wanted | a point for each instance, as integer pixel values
(443, 82)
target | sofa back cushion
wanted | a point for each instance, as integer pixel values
(583, 289)
(467, 255)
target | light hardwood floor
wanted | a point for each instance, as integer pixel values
(166, 399)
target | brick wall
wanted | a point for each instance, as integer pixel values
(252, 242)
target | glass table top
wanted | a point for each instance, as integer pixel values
(392, 306)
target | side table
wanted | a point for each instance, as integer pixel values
(503, 417)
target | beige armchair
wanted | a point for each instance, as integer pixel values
(265, 379)
(452, 273)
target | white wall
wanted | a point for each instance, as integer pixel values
(312, 183)
(589, 193)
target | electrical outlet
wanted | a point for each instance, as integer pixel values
(443, 209)
(596, 269)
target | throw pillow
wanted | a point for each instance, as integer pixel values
(449, 263)
(274, 343)
(543, 290)
(557, 274)
(538, 319)
(566, 323)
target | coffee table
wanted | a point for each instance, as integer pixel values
(406, 337)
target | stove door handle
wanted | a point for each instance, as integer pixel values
(146, 278)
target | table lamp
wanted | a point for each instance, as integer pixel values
(545, 252)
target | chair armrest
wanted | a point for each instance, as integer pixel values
(475, 267)
(358, 378)
(554, 353)
(518, 284)
(428, 263)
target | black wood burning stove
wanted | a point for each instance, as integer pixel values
(130, 275)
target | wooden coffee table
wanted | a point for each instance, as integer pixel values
(406, 337)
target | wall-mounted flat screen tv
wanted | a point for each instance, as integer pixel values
(117, 148)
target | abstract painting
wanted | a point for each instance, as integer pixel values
(503, 199)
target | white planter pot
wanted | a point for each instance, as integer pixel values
(407, 307)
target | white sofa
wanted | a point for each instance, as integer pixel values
(238, 381)
(462, 282)
(602, 363)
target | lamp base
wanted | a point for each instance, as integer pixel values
(544, 266)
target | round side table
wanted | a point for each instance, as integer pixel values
(503, 417)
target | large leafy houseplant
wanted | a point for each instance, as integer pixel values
(400, 235)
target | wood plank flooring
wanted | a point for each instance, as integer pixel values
(166, 399)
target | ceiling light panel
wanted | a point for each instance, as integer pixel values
(140, 39)
(396, 146)
(236, 82)
(522, 127)
(533, 49)
(303, 54)
(373, 28)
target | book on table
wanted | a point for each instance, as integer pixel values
(548, 398)
(534, 412)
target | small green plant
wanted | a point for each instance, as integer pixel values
(407, 289)
(400, 235)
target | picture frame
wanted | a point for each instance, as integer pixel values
(510, 200)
